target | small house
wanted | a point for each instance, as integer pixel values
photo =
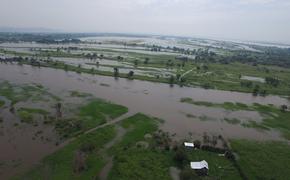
(201, 167)
(188, 144)
(181, 58)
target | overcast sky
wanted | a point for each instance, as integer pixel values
(267, 20)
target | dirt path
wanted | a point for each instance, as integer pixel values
(109, 159)
(184, 74)
(103, 175)
(114, 121)
(174, 173)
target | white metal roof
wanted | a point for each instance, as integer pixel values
(187, 144)
(199, 165)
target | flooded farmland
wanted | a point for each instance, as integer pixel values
(155, 99)
(184, 109)
(145, 90)
(22, 149)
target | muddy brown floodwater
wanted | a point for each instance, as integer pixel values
(155, 99)
(22, 145)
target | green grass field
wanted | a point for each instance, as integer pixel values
(131, 161)
(219, 166)
(263, 160)
(90, 115)
(99, 109)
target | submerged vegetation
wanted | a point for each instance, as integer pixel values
(210, 67)
(79, 94)
(91, 115)
(80, 118)
(27, 114)
(232, 121)
(143, 152)
(2, 103)
(273, 117)
(16, 93)
(65, 163)
(92, 140)
(226, 105)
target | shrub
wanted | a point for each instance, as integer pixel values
(213, 149)
(180, 156)
(197, 144)
(188, 174)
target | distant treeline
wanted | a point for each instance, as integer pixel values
(49, 38)
(268, 56)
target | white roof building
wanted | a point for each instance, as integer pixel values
(187, 144)
(199, 165)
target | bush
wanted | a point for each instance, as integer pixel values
(180, 156)
(188, 174)
(213, 149)
(229, 155)
(197, 144)
(87, 147)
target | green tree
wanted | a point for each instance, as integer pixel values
(131, 74)
(136, 62)
(146, 60)
(116, 72)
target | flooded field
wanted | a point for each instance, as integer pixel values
(190, 106)
(155, 99)
(145, 90)
(124, 67)
(191, 43)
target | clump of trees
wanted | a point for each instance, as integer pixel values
(170, 63)
(258, 91)
(171, 80)
(120, 58)
(272, 81)
(130, 74)
(136, 62)
(116, 72)
(181, 157)
(146, 61)
(247, 84)
(162, 140)
(58, 110)
(284, 108)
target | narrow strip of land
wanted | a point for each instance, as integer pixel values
(184, 74)
(114, 121)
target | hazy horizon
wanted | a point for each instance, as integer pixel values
(250, 20)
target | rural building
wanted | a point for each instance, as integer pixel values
(201, 167)
(188, 144)
(182, 58)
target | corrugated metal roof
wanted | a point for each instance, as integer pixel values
(188, 144)
(199, 165)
